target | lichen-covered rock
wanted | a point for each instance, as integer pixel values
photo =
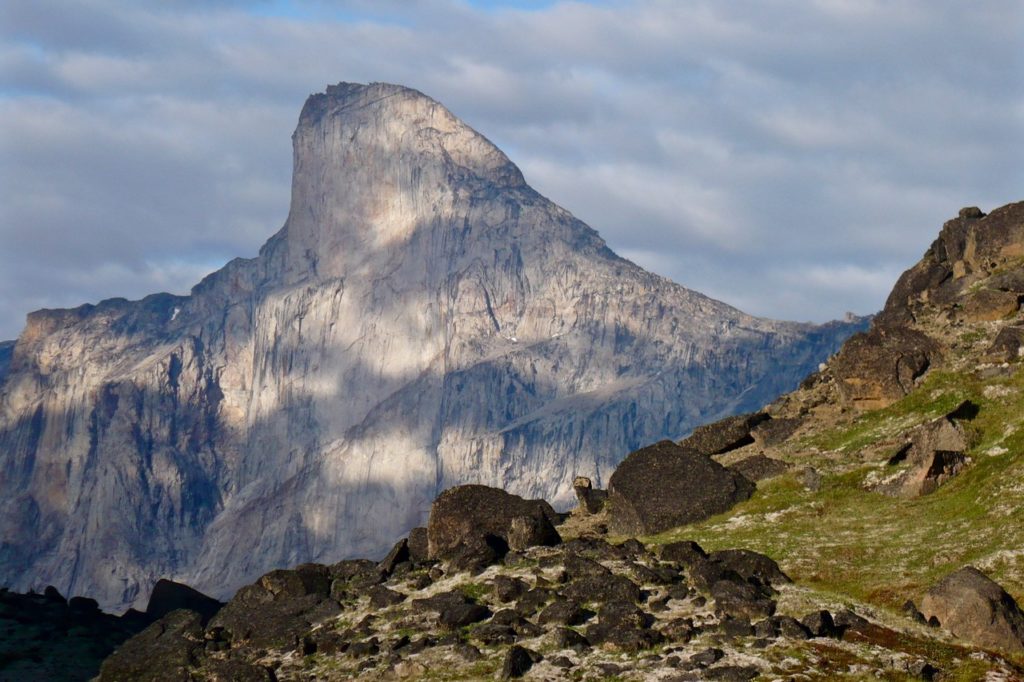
(876, 368)
(975, 608)
(163, 652)
(759, 467)
(591, 500)
(725, 434)
(665, 485)
(475, 513)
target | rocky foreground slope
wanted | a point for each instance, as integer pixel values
(423, 319)
(888, 488)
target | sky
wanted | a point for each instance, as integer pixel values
(788, 157)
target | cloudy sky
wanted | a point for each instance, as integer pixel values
(788, 157)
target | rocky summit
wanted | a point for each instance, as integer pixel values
(423, 319)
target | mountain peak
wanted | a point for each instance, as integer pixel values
(373, 164)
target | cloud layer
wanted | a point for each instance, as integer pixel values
(789, 158)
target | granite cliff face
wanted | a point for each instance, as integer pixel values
(424, 318)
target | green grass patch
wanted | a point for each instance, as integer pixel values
(844, 539)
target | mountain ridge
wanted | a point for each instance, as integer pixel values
(415, 324)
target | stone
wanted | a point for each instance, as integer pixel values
(665, 485)
(508, 588)
(565, 638)
(279, 608)
(163, 652)
(973, 607)
(751, 565)
(820, 624)
(382, 597)
(876, 368)
(461, 615)
(686, 552)
(418, 544)
(935, 454)
(724, 435)
(591, 500)
(518, 662)
(398, 554)
(423, 317)
(775, 431)
(621, 625)
(989, 305)
(810, 478)
(563, 612)
(1007, 345)
(168, 596)
(530, 531)
(484, 514)
(740, 599)
(759, 467)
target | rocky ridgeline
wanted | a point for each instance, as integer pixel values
(491, 589)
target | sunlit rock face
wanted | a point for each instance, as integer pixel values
(424, 318)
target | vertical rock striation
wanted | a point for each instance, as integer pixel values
(424, 318)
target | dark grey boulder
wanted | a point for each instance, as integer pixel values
(482, 516)
(759, 467)
(664, 485)
(163, 652)
(724, 435)
(518, 662)
(776, 430)
(686, 552)
(279, 608)
(169, 596)
(418, 545)
(975, 608)
(751, 566)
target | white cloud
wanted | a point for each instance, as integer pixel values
(787, 158)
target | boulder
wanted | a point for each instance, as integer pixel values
(518, 662)
(665, 485)
(483, 515)
(282, 605)
(878, 367)
(419, 549)
(398, 554)
(1006, 347)
(590, 498)
(759, 467)
(935, 454)
(168, 596)
(775, 430)
(751, 565)
(725, 434)
(988, 305)
(164, 651)
(975, 608)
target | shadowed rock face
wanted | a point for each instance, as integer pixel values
(423, 319)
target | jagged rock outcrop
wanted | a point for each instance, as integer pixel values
(423, 319)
